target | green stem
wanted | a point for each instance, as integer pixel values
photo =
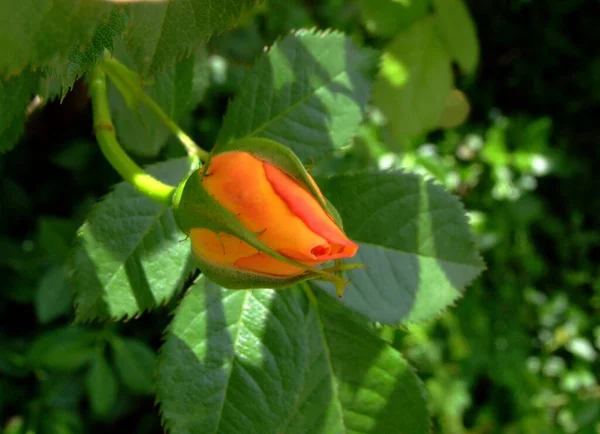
(105, 134)
(128, 84)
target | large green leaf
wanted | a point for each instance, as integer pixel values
(68, 35)
(458, 31)
(129, 255)
(414, 81)
(307, 92)
(62, 75)
(40, 32)
(270, 362)
(162, 32)
(415, 240)
(15, 95)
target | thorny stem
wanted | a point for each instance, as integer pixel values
(112, 150)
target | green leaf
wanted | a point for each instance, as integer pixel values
(161, 33)
(40, 32)
(267, 361)
(388, 17)
(53, 296)
(59, 421)
(176, 90)
(458, 32)
(56, 235)
(414, 81)
(101, 386)
(129, 255)
(307, 92)
(415, 240)
(369, 381)
(15, 94)
(81, 59)
(63, 349)
(134, 361)
(62, 390)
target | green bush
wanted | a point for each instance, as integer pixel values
(493, 102)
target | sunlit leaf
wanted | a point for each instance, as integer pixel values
(41, 32)
(161, 33)
(307, 92)
(458, 32)
(82, 57)
(414, 81)
(388, 17)
(268, 361)
(129, 255)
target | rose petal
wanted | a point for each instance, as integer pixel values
(238, 181)
(305, 206)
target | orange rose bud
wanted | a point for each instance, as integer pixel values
(269, 202)
(271, 230)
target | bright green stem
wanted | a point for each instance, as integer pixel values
(105, 134)
(128, 84)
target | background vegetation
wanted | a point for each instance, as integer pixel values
(518, 354)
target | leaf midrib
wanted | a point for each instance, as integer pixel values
(292, 107)
(233, 356)
(334, 382)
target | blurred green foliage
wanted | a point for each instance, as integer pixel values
(518, 354)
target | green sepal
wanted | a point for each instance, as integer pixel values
(284, 159)
(234, 278)
(193, 208)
